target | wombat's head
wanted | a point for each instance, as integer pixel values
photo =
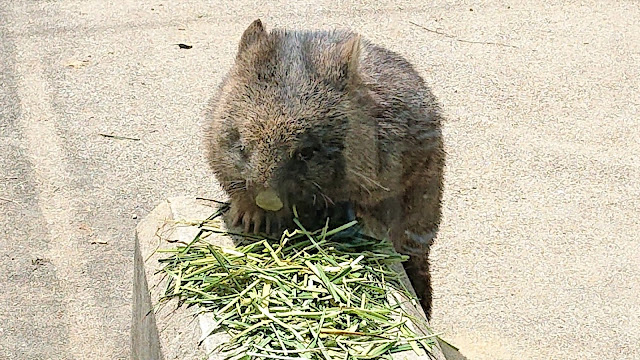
(284, 111)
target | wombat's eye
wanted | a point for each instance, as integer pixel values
(243, 150)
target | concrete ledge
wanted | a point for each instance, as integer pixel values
(164, 331)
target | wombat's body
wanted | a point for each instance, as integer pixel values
(315, 119)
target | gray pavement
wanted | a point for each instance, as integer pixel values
(538, 256)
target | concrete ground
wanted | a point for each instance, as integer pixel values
(538, 256)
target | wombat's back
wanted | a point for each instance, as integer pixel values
(390, 78)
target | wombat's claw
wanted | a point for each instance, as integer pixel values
(237, 218)
(246, 221)
(257, 222)
(273, 222)
(268, 225)
(254, 218)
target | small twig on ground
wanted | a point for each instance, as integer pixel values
(462, 40)
(10, 200)
(119, 137)
(212, 200)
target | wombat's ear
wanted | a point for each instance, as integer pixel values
(254, 32)
(350, 56)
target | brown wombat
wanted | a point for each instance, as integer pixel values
(319, 119)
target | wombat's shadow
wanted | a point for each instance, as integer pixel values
(449, 352)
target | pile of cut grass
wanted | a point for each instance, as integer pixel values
(325, 294)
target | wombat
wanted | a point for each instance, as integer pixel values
(320, 119)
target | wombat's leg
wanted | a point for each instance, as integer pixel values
(419, 224)
(417, 269)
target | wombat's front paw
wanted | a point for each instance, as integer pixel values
(247, 213)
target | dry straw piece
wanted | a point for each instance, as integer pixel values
(324, 294)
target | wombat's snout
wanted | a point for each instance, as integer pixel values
(269, 200)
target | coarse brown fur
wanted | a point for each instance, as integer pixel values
(326, 118)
